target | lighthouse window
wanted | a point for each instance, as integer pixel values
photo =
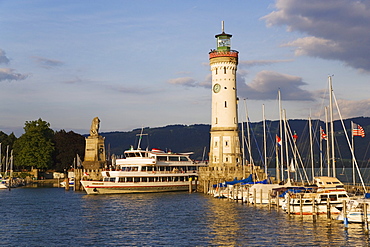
(226, 143)
(215, 144)
(224, 70)
(216, 71)
(225, 104)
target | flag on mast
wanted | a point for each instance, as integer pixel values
(278, 140)
(323, 135)
(357, 130)
(295, 136)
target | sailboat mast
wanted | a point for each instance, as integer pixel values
(353, 156)
(331, 125)
(311, 149)
(264, 138)
(243, 150)
(327, 141)
(281, 136)
(286, 144)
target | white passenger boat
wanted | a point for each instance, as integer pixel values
(328, 193)
(147, 171)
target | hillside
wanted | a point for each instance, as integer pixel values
(196, 138)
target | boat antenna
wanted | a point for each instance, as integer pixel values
(140, 137)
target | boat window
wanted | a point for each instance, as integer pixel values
(144, 179)
(183, 158)
(333, 197)
(162, 158)
(136, 180)
(121, 179)
(174, 158)
(129, 179)
(342, 196)
(149, 168)
(112, 179)
(135, 168)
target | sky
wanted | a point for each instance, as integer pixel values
(143, 63)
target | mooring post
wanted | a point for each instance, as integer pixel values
(261, 196)
(313, 209)
(345, 219)
(254, 196)
(366, 222)
(269, 198)
(328, 208)
(190, 185)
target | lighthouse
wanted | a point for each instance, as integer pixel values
(225, 152)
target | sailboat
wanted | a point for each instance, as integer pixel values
(328, 192)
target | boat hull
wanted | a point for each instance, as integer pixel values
(99, 187)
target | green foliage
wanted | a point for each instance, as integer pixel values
(67, 145)
(35, 147)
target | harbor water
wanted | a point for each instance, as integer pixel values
(55, 217)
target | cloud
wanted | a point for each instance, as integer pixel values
(8, 74)
(47, 63)
(3, 58)
(266, 84)
(184, 81)
(335, 29)
(352, 108)
(250, 63)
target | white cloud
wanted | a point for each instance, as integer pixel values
(184, 81)
(335, 29)
(47, 63)
(352, 108)
(266, 84)
(10, 75)
(3, 58)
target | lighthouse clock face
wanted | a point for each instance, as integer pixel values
(216, 88)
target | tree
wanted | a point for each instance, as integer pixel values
(67, 145)
(35, 147)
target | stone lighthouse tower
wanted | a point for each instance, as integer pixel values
(225, 152)
(225, 159)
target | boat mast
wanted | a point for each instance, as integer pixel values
(353, 156)
(327, 140)
(311, 149)
(140, 137)
(264, 138)
(243, 149)
(286, 144)
(331, 125)
(281, 136)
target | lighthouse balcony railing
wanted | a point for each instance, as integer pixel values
(230, 53)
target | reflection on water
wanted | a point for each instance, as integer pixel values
(55, 217)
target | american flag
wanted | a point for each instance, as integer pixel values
(357, 130)
(323, 135)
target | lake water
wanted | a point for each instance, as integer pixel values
(55, 217)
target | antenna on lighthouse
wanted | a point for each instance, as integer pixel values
(222, 26)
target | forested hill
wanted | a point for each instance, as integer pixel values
(196, 138)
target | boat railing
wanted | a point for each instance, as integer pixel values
(194, 172)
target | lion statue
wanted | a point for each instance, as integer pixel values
(94, 130)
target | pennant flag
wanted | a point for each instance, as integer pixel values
(357, 130)
(323, 135)
(278, 140)
(295, 136)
